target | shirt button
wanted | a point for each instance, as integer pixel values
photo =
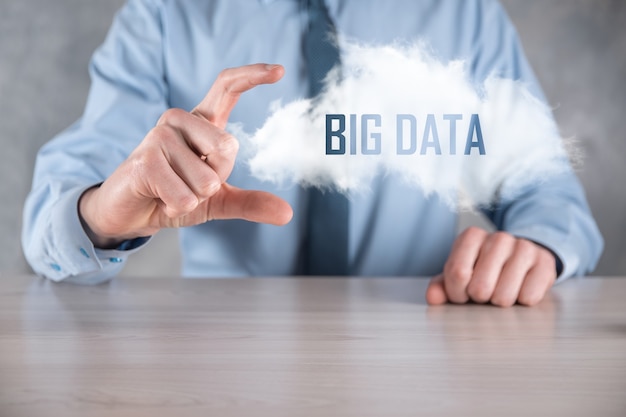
(84, 252)
(56, 267)
(116, 260)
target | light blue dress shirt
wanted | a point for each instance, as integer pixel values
(167, 53)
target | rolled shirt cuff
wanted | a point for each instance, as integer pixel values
(72, 256)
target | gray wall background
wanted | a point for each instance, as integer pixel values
(577, 47)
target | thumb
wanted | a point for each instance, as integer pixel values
(436, 291)
(254, 206)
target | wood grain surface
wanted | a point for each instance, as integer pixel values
(306, 347)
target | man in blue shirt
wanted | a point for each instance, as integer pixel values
(150, 151)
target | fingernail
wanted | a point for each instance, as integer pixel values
(270, 67)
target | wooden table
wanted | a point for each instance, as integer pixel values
(306, 347)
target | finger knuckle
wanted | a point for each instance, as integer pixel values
(546, 259)
(208, 186)
(502, 301)
(160, 134)
(143, 163)
(224, 77)
(457, 273)
(525, 249)
(479, 291)
(458, 298)
(228, 144)
(172, 116)
(473, 233)
(501, 238)
(186, 204)
(529, 299)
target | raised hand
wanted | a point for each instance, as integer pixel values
(177, 175)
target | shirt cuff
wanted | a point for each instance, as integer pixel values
(73, 257)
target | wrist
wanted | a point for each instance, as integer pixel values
(87, 213)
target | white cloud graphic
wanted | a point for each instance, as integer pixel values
(522, 143)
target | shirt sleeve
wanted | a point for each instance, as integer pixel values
(127, 96)
(555, 213)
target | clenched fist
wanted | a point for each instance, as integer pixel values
(495, 268)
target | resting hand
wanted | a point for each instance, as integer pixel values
(497, 268)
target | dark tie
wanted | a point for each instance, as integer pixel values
(326, 250)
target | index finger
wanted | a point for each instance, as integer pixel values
(459, 268)
(230, 83)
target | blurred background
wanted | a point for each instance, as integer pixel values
(577, 48)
